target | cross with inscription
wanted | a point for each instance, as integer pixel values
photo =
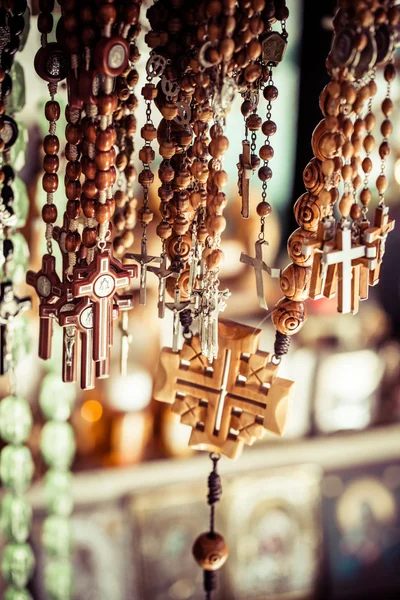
(10, 307)
(176, 307)
(376, 236)
(259, 265)
(144, 260)
(344, 256)
(245, 173)
(101, 283)
(231, 402)
(163, 274)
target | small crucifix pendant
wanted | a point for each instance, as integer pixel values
(259, 266)
(245, 173)
(10, 307)
(163, 274)
(176, 307)
(144, 260)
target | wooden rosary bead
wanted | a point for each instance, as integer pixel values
(89, 189)
(389, 72)
(103, 179)
(254, 122)
(146, 155)
(169, 111)
(215, 224)
(288, 316)
(104, 160)
(323, 142)
(51, 144)
(365, 197)
(387, 107)
(51, 163)
(102, 212)
(355, 211)
(181, 225)
(72, 152)
(52, 110)
(252, 72)
(369, 143)
(105, 139)
(89, 237)
(73, 209)
(128, 238)
(210, 551)
(130, 173)
(382, 184)
(366, 165)
(345, 204)
(146, 178)
(73, 170)
(265, 173)
(384, 150)
(111, 56)
(347, 172)
(73, 190)
(386, 128)
(268, 128)
(167, 149)
(313, 177)
(324, 198)
(50, 182)
(89, 168)
(179, 246)
(214, 259)
(72, 241)
(49, 213)
(263, 209)
(164, 230)
(266, 152)
(88, 207)
(295, 282)
(295, 247)
(73, 133)
(145, 215)
(89, 131)
(107, 103)
(307, 212)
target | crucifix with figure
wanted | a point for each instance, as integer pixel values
(10, 307)
(231, 402)
(246, 171)
(259, 265)
(163, 274)
(176, 307)
(376, 236)
(144, 260)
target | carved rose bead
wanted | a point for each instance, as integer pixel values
(323, 142)
(289, 316)
(210, 551)
(307, 212)
(295, 247)
(295, 282)
(313, 177)
(179, 246)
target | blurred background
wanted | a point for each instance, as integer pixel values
(315, 514)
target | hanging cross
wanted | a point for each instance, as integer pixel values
(100, 285)
(176, 307)
(230, 403)
(376, 236)
(48, 287)
(59, 235)
(343, 256)
(259, 266)
(194, 260)
(10, 307)
(50, 311)
(144, 260)
(323, 280)
(163, 274)
(245, 173)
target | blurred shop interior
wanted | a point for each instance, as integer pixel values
(315, 514)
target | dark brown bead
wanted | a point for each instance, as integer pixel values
(45, 22)
(52, 110)
(89, 168)
(73, 209)
(270, 93)
(51, 144)
(73, 170)
(107, 103)
(89, 189)
(50, 182)
(73, 134)
(104, 160)
(105, 139)
(89, 131)
(210, 551)
(89, 237)
(266, 152)
(102, 213)
(384, 150)
(49, 213)
(72, 152)
(264, 173)
(390, 72)
(103, 179)
(51, 163)
(73, 190)
(247, 108)
(88, 206)
(263, 209)
(72, 241)
(269, 128)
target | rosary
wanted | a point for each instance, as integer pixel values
(201, 56)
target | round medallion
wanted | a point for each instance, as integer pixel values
(86, 318)
(111, 56)
(52, 63)
(9, 133)
(343, 52)
(117, 56)
(104, 286)
(43, 286)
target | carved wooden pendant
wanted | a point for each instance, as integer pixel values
(231, 402)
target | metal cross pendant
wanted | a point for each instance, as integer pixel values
(176, 307)
(163, 274)
(144, 260)
(259, 266)
(10, 307)
(100, 285)
(245, 173)
(343, 256)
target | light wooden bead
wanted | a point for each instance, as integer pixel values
(146, 155)
(215, 225)
(384, 150)
(386, 128)
(355, 211)
(307, 212)
(145, 215)
(169, 111)
(345, 204)
(357, 182)
(167, 149)
(164, 230)
(288, 316)
(324, 198)
(148, 132)
(313, 176)
(367, 165)
(365, 197)
(382, 184)
(333, 89)
(215, 259)
(295, 247)
(128, 238)
(328, 167)
(295, 282)
(202, 234)
(210, 551)
(220, 178)
(181, 225)
(387, 107)
(369, 143)
(347, 172)
(323, 142)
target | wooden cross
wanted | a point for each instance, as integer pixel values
(163, 274)
(59, 235)
(230, 403)
(100, 285)
(259, 266)
(376, 236)
(245, 173)
(323, 278)
(344, 256)
(10, 307)
(48, 287)
(144, 260)
(51, 311)
(177, 307)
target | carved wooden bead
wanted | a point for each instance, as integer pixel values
(384, 150)
(181, 225)
(49, 213)
(145, 214)
(210, 551)
(89, 237)
(164, 230)
(146, 178)
(183, 179)
(295, 247)
(167, 149)
(295, 282)
(323, 142)
(50, 182)
(51, 144)
(169, 111)
(288, 316)
(146, 155)
(179, 246)
(51, 163)
(313, 177)
(254, 122)
(307, 212)
(215, 259)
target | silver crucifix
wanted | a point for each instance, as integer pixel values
(143, 259)
(176, 307)
(259, 266)
(163, 274)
